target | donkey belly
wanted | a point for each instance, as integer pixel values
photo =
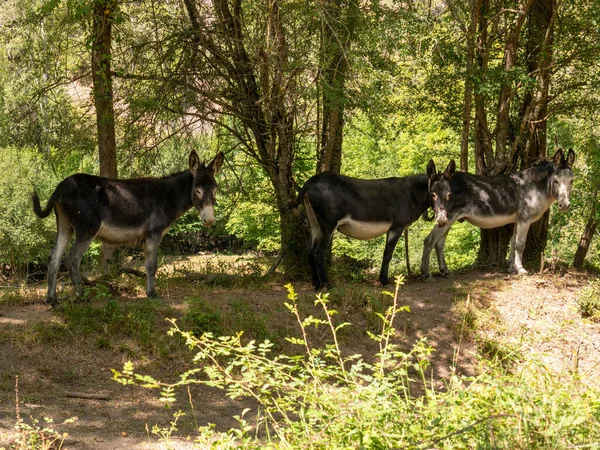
(362, 230)
(491, 221)
(115, 235)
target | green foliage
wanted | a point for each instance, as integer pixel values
(24, 238)
(257, 223)
(35, 434)
(254, 326)
(589, 301)
(325, 398)
(201, 318)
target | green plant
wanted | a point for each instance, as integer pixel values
(326, 398)
(36, 435)
(201, 317)
(589, 300)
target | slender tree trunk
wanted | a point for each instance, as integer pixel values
(585, 241)
(468, 95)
(539, 49)
(483, 149)
(339, 22)
(506, 89)
(494, 242)
(103, 15)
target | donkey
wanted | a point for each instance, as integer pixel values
(122, 212)
(365, 209)
(493, 201)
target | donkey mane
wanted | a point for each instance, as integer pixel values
(540, 169)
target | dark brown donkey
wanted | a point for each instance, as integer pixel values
(123, 212)
(365, 209)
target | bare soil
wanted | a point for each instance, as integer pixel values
(537, 314)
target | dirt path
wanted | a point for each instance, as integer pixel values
(536, 313)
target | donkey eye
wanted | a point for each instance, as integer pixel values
(571, 182)
(434, 196)
(555, 181)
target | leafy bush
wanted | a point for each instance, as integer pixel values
(589, 300)
(24, 238)
(325, 398)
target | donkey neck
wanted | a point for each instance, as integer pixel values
(421, 186)
(178, 191)
(539, 178)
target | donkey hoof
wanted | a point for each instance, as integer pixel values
(324, 287)
(447, 274)
(52, 302)
(152, 294)
(429, 279)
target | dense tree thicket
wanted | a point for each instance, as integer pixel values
(289, 88)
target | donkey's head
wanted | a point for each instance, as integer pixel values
(204, 186)
(439, 190)
(561, 180)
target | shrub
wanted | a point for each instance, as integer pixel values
(23, 237)
(328, 399)
(589, 300)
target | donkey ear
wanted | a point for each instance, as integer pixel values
(450, 169)
(570, 158)
(431, 170)
(558, 157)
(194, 162)
(215, 164)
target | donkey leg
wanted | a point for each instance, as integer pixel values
(151, 253)
(439, 250)
(320, 237)
(390, 244)
(83, 239)
(64, 231)
(520, 236)
(108, 251)
(511, 254)
(318, 250)
(428, 245)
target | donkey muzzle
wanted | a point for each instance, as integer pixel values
(563, 206)
(441, 218)
(207, 214)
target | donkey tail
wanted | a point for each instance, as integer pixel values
(37, 207)
(296, 202)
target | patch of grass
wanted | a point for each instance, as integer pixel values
(322, 399)
(589, 300)
(10, 297)
(254, 325)
(500, 353)
(201, 317)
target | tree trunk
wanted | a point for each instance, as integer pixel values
(507, 89)
(468, 95)
(494, 246)
(293, 231)
(483, 148)
(338, 30)
(103, 15)
(539, 46)
(585, 241)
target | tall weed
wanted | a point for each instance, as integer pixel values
(327, 398)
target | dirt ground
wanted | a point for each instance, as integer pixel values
(537, 313)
